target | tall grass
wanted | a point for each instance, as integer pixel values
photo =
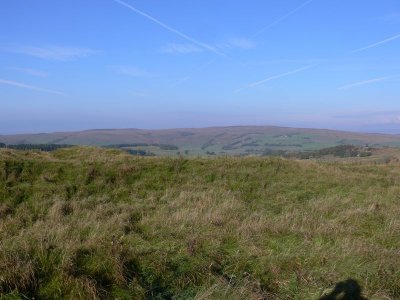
(88, 223)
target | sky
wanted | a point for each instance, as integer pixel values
(154, 64)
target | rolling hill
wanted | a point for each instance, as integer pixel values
(213, 140)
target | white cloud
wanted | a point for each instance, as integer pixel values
(181, 49)
(131, 71)
(282, 18)
(169, 28)
(257, 83)
(32, 72)
(241, 43)
(364, 82)
(28, 87)
(233, 43)
(50, 52)
(378, 43)
(377, 117)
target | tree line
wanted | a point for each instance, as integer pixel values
(161, 146)
(41, 147)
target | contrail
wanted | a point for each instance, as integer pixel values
(28, 87)
(186, 78)
(378, 43)
(365, 82)
(276, 22)
(254, 84)
(169, 28)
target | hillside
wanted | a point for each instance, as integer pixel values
(92, 223)
(211, 141)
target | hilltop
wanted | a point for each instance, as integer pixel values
(95, 223)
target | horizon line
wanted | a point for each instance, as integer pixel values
(198, 128)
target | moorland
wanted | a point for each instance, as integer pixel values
(99, 223)
(235, 140)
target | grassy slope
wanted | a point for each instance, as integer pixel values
(231, 140)
(90, 223)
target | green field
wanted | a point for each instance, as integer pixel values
(213, 141)
(92, 223)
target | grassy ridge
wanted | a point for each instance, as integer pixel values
(87, 223)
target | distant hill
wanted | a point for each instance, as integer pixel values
(211, 141)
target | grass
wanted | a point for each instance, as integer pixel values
(90, 223)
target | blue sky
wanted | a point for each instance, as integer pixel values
(71, 65)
